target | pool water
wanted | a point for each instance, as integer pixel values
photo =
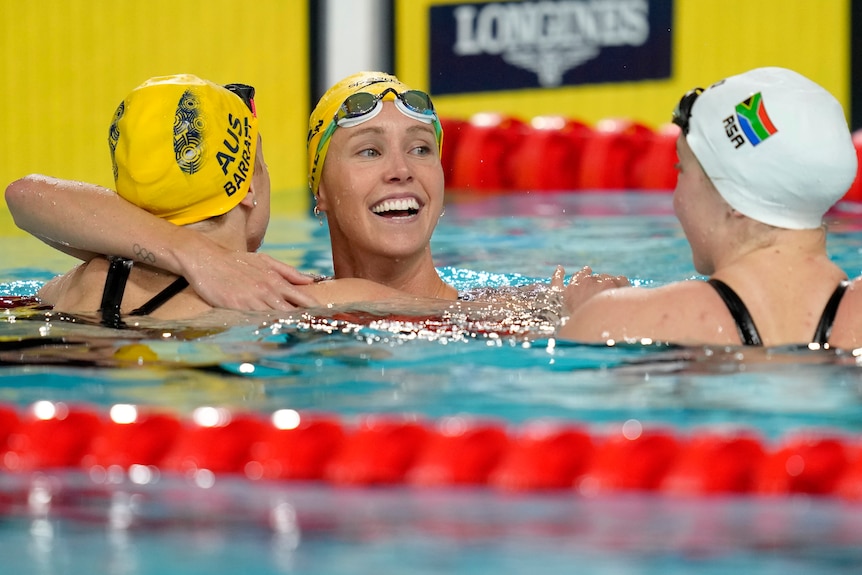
(429, 367)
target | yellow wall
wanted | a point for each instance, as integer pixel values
(66, 64)
(711, 39)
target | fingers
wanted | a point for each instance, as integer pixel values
(274, 292)
(296, 297)
(558, 277)
(581, 274)
(250, 281)
(586, 274)
(585, 284)
(287, 272)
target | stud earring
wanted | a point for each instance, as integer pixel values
(254, 202)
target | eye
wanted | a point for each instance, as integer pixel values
(421, 150)
(368, 152)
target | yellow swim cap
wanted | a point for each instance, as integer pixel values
(321, 118)
(183, 148)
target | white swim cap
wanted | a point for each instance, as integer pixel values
(775, 144)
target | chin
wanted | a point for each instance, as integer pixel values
(704, 269)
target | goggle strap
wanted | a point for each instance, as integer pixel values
(324, 138)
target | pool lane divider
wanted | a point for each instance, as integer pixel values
(389, 449)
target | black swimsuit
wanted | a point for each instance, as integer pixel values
(745, 324)
(115, 286)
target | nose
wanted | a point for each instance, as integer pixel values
(398, 168)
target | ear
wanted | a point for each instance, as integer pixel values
(321, 198)
(249, 200)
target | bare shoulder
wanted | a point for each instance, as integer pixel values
(350, 290)
(681, 311)
(51, 291)
(65, 289)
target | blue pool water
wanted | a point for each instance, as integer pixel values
(363, 362)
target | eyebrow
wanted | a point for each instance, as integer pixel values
(418, 128)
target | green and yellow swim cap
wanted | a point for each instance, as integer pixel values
(321, 123)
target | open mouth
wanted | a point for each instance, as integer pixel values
(398, 208)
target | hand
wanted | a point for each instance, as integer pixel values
(583, 285)
(248, 281)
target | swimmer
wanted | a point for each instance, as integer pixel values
(374, 171)
(188, 152)
(762, 157)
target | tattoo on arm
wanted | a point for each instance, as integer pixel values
(143, 254)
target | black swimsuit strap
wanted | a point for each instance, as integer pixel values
(744, 323)
(160, 298)
(824, 328)
(115, 286)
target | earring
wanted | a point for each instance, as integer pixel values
(317, 213)
(443, 213)
(254, 202)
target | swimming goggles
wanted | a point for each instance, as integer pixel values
(682, 112)
(363, 106)
(245, 93)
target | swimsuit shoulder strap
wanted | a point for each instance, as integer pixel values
(115, 286)
(824, 328)
(163, 296)
(744, 323)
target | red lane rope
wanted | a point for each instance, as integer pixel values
(399, 449)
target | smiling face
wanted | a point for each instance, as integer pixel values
(382, 187)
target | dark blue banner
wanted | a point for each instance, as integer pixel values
(481, 47)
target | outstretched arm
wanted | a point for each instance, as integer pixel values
(583, 285)
(85, 220)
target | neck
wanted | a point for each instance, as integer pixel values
(778, 248)
(227, 230)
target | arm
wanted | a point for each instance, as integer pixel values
(583, 285)
(61, 212)
(85, 220)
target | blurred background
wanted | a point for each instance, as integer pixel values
(66, 64)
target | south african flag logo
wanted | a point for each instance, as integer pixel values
(754, 120)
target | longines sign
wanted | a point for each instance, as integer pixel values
(479, 47)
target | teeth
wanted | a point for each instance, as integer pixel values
(399, 205)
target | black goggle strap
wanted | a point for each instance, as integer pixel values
(245, 93)
(682, 111)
